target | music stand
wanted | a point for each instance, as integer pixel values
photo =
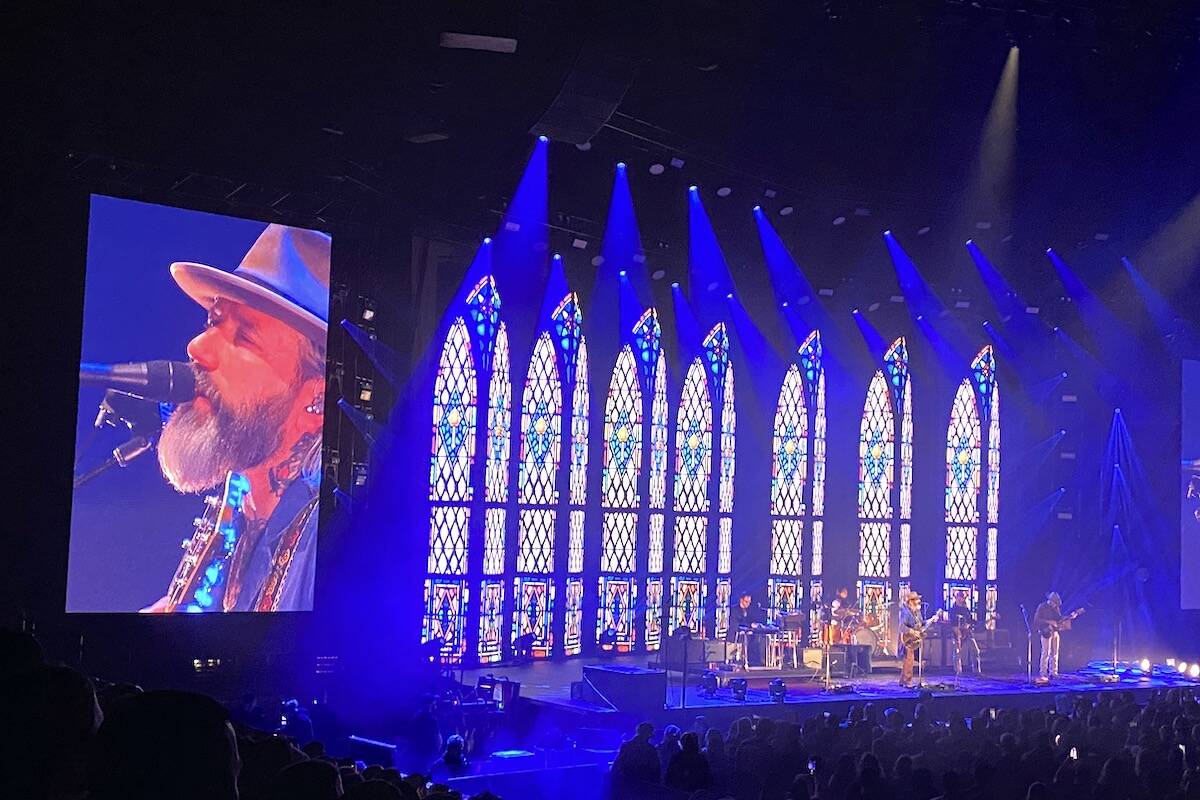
(1029, 645)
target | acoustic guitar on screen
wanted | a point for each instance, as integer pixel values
(1063, 624)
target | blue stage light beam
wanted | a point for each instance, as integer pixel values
(765, 363)
(708, 274)
(797, 300)
(522, 241)
(688, 330)
(1002, 346)
(1160, 311)
(364, 423)
(875, 342)
(387, 362)
(556, 289)
(1108, 332)
(927, 310)
(622, 271)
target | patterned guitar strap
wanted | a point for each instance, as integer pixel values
(281, 561)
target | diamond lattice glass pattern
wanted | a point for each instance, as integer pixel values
(622, 434)
(992, 547)
(962, 457)
(993, 480)
(905, 549)
(493, 541)
(448, 540)
(818, 545)
(620, 541)
(728, 442)
(961, 552)
(874, 549)
(690, 544)
(575, 542)
(818, 491)
(789, 460)
(535, 540)
(786, 552)
(876, 452)
(655, 560)
(454, 409)
(541, 426)
(724, 545)
(721, 616)
(658, 436)
(499, 438)
(580, 408)
(693, 442)
(906, 452)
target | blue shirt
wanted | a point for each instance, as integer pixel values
(297, 591)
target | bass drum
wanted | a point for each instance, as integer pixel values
(866, 636)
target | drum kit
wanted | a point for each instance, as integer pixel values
(852, 626)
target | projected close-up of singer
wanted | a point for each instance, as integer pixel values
(220, 452)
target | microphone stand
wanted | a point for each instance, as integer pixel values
(144, 420)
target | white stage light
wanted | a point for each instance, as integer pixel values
(657, 169)
(1194, 671)
(1144, 664)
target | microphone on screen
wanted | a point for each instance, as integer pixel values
(164, 381)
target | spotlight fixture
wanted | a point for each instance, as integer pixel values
(583, 147)
(658, 274)
(543, 139)
(924, 229)
(739, 686)
(777, 689)
(557, 257)
(920, 317)
(579, 244)
(839, 220)
(657, 169)
(887, 233)
(756, 209)
(598, 261)
(487, 240)
(677, 163)
(785, 303)
(709, 682)
(729, 296)
(1170, 662)
(621, 273)
(692, 188)
(674, 284)
(768, 193)
(873, 307)
(786, 211)
(1194, 671)
(1182, 666)
(620, 165)
(724, 191)
(1144, 664)
(854, 310)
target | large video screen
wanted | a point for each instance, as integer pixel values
(201, 404)
(1189, 515)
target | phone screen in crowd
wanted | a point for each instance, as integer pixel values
(1074, 753)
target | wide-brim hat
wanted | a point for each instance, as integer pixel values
(285, 274)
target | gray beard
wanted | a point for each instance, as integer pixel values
(197, 450)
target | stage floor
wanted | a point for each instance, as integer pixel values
(549, 683)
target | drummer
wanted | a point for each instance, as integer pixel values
(844, 613)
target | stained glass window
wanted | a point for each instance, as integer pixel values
(575, 542)
(655, 560)
(573, 618)
(454, 408)
(618, 598)
(491, 621)
(534, 598)
(725, 546)
(728, 441)
(499, 421)
(962, 457)
(721, 614)
(876, 452)
(794, 457)
(974, 412)
(654, 609)
(620, 541)
(623, 434)
(483, 304)
(493, 542)
(693, 442)
(789, 468)
(691, 533)
(658, 436)
(580, 405)
(541, 426)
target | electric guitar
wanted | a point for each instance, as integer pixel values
(911, 638)
(200, 579)
(1064, 624)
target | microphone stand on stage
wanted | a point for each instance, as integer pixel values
(1029, 645)
(143, 418)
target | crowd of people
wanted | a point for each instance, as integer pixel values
(1099, 747)
(65, 737)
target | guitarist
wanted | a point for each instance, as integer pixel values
(1049, 620)
(911, 630)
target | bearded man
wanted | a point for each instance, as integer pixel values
(254, 427)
